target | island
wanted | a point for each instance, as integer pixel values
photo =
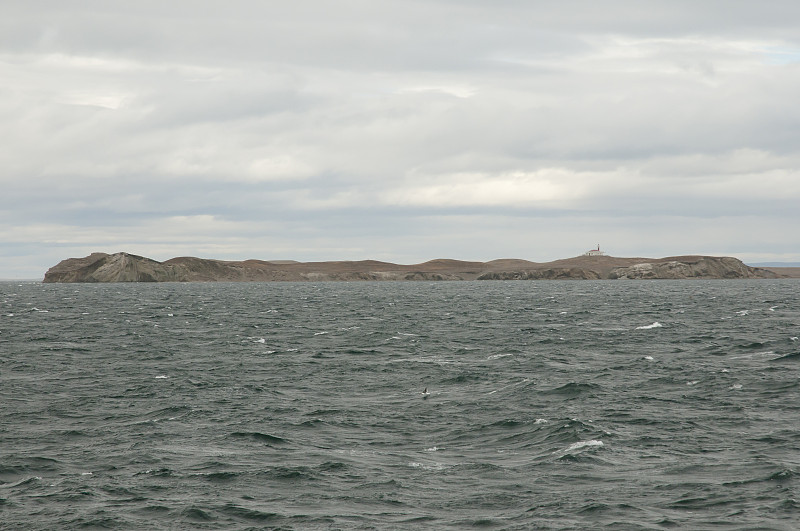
(125, 267)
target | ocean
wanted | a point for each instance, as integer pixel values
(547, 405)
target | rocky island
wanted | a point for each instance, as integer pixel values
(124, 267)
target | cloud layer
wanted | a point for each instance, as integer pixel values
(401, 131)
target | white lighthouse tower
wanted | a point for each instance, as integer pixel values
(594, 252)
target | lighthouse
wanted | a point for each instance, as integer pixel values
(594, 252)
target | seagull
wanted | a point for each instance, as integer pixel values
(425, 393)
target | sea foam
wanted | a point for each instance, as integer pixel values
(574, 447)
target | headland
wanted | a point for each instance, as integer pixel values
(125, 267)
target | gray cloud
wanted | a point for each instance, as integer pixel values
(397, 130)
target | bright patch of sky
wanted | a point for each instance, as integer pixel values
(781, 56)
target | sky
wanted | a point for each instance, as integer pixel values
(398, 130)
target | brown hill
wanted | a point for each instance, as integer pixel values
(124, 267)
(786, 272)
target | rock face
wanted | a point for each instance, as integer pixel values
(558, 273)
(124, 267)
(119, 267)
(703, 267)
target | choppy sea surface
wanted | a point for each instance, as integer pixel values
(549, 405)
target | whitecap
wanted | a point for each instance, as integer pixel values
(432, 449)
(649, 358)
(161, 377)
(261, 340)
(320, 333)
(435, 466)
(648, 327)
(86, 473)
(793, 338)
(736, 386)
(498, 356)
(743, 312)
(510, 385)
(754, 354)
(541, 421)
(439, 360)
(582, 444)
(425, 359)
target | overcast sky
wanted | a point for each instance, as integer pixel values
(398, 130)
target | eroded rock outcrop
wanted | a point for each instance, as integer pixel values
(118, 267)
(702, 267)
(558, 273)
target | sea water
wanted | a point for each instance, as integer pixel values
(549, 405)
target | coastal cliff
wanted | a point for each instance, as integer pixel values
(702, 267)
(124, 267)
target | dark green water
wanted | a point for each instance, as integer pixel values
(551, 405)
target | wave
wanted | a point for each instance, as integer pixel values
(292, 473)
(259, 437)
(220, 477)
(30, 465)
(579, 451)
(22, 482)
(794, 356)
(159, 473)
(333, 466)
(197, 514)
(751, 346)
(465, 378)
(648, 327)
(573, 389)
(244, 513)
(581, 445)
(167, 413)
(428, 466)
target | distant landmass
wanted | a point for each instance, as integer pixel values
(125, 267)
(776, 264)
